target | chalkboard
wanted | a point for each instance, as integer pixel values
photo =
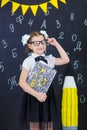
(67, 22)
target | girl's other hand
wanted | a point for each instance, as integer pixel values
(41, 96)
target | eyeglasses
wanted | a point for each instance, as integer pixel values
(37, 43)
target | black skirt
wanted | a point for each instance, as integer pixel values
(34, 111)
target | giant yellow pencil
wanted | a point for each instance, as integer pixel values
(69, 104)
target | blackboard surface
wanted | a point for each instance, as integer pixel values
(68, 25)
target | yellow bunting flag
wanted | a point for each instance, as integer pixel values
(54, 3)
(34, 9)
(44, 7)
(15, 6)
(24, 9)
(63, 1)
(4, 2)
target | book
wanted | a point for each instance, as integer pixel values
(41, 77)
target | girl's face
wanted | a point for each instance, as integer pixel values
(38, 44)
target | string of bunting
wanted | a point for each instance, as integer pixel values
(34, 8)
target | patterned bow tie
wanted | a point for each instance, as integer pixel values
(41, 58)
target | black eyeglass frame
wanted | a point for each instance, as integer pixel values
(37, 43)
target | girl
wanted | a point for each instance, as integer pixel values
(40, 108)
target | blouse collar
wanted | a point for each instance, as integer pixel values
(36, 55)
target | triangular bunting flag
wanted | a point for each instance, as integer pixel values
(34, 9)
(4, 2)
(24, 9)
(54, 3)
(44, 7)
(15, 6)
(64, 1)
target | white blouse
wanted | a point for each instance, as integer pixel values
(29, 62)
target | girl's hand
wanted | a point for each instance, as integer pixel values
(52, 41)
(41, 96)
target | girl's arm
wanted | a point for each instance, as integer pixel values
(63, 59)
(25, 86)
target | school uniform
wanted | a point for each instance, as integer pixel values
(35, 111)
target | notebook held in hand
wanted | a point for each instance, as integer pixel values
(41, 77)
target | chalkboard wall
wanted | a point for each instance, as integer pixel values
(68, 25)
